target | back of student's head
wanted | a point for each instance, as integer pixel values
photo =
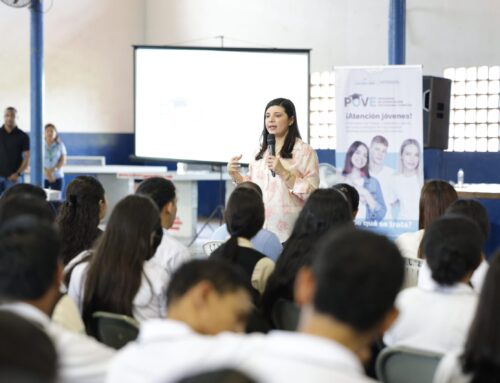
(218, 376)
(351, 193)
(435, 197)
(29, 255)
(32, 190)
(27, 354)
(160, 190)
(251, 185)
(482, 348)
(115, 270)
(473, 210)
(25, 204)
(358, 276)
(453, 248)
(79, 216)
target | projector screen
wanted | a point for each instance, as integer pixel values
(207, 104)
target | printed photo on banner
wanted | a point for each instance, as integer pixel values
(379, 143)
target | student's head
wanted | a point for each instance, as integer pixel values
(29, 189)
(352, 195)
(10, 117)
(357, 157)
(27, 354)
(115, 271)
(210, 296)
(354, 280)
(51, 133)
(30, 268)
(80, 214)
(378, 150)
(225, 375)
(280, 119)
(162, 191)
(480, 357)
(25, 205)
(435, 197)
(252, 186)
(473, 210)
(409, 159)
(453, 249)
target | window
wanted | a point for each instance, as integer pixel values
(322, 110)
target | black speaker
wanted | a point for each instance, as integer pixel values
(436, 102)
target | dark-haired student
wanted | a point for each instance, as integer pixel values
(475, 211)
(223, 375)
(264, 241)
(171, 253)
(352, 195)
(436, 318)
(116, 277)
(32, 190)
(30, 277)
(79, 216)
(244, 218)
(477, 361)
(339, 320)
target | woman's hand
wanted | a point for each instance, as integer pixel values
(273, 163)
(233, 168)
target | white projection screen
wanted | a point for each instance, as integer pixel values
(206, 105)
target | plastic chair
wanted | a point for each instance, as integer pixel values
(115, 330)
(405, 365)
(210, 246)
(412, 269)
(285, 315)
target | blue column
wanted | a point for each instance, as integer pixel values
(37, 93)
(397, 32)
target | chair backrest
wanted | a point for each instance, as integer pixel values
(412, 269)
(405, 365)
(285, 315)
(115, 330)
(210, 246)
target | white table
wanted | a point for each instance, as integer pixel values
(479, 191)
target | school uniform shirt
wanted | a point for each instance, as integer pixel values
(171, 254)
(408, 243)
(150, 300)
(264, 241)
(425, 280)
(51, 156)
(81, 359)
(167, 350)
(435, 319)
(449, 370)
(67, 315)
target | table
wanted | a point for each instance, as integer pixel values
(478, 191)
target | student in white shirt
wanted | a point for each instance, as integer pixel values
(477, 360)
(116, 277)
(30, 277)
(339, 321)
(171, 253)
(437, 319)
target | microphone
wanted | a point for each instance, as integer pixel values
(271, 147)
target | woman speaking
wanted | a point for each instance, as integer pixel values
(288, 177)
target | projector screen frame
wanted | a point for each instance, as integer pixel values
(229, 49)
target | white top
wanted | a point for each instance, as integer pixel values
(81, 359)
(406, 190)
(450, 370)
(168, 350)
(384, 179)
(149, 302)
(170, 254)
(436, 319)
(408, 243)
(425, 280)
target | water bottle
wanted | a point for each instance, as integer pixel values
(460, 178)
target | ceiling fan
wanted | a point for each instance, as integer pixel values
(17, 3)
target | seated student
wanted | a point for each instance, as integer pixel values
(27, 354)
(171, 253)
(435, 197)
(79, 216)
(30, 277)
(477, 360)
(477, 213)
(339, 320)
(352, 195)
(436, 318)
(264, 241)
(115, 277)
(325, 209)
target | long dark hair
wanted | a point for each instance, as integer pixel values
(324, 210)
(348, 159)
(244, 217)
(435, 197)
(78, 217)
(481, 357)
(293, 130)
(115, 269)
